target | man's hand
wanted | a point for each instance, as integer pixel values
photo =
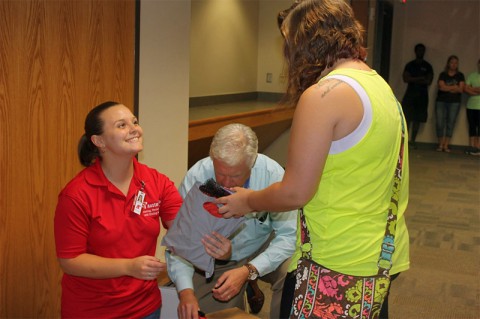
(188, 305)
(230, 283)
(217, 246)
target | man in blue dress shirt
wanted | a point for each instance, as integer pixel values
(260, 248)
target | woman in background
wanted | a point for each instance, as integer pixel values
(343, 151)
(451, 84)
(107, 222)
(472, 88)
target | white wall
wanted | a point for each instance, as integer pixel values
(164, 83)
(223, 46)
(446, 28)
(224, 57)
(270, 47)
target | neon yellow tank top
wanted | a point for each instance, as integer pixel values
(348, 213)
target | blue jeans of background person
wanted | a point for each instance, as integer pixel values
(446, 115)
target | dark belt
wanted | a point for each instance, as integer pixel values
(217, 262)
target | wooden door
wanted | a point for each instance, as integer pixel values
(58, 59)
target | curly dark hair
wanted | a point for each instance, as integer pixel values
(317, 34)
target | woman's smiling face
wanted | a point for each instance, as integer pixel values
(121, 132)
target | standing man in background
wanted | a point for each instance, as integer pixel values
(418, 74)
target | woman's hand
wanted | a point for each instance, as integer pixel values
(146, 267)
(236, 204)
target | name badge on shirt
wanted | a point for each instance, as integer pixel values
(138, 202)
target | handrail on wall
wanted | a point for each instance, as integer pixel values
(203, 128)
(268, 124)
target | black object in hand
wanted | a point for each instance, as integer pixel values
(213, 189)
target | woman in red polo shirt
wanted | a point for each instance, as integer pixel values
(107, 222)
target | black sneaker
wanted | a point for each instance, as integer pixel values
(472, 151)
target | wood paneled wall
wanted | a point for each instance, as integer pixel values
(58, 59)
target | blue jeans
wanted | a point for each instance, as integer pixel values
(446, 115)
(154, 315)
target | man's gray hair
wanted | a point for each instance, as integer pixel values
(233, 144)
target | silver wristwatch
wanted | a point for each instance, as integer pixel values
(252, 272)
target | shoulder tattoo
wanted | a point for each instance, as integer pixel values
(328, 85)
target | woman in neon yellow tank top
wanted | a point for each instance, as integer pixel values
(343, 147)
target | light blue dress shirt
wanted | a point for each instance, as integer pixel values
(255, 231)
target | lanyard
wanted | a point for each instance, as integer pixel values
(139, 199)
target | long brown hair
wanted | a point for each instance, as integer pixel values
(317, 34)
(450, 58)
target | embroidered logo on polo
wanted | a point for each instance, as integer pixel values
(151, 209)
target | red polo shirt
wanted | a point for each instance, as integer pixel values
(94, 217)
